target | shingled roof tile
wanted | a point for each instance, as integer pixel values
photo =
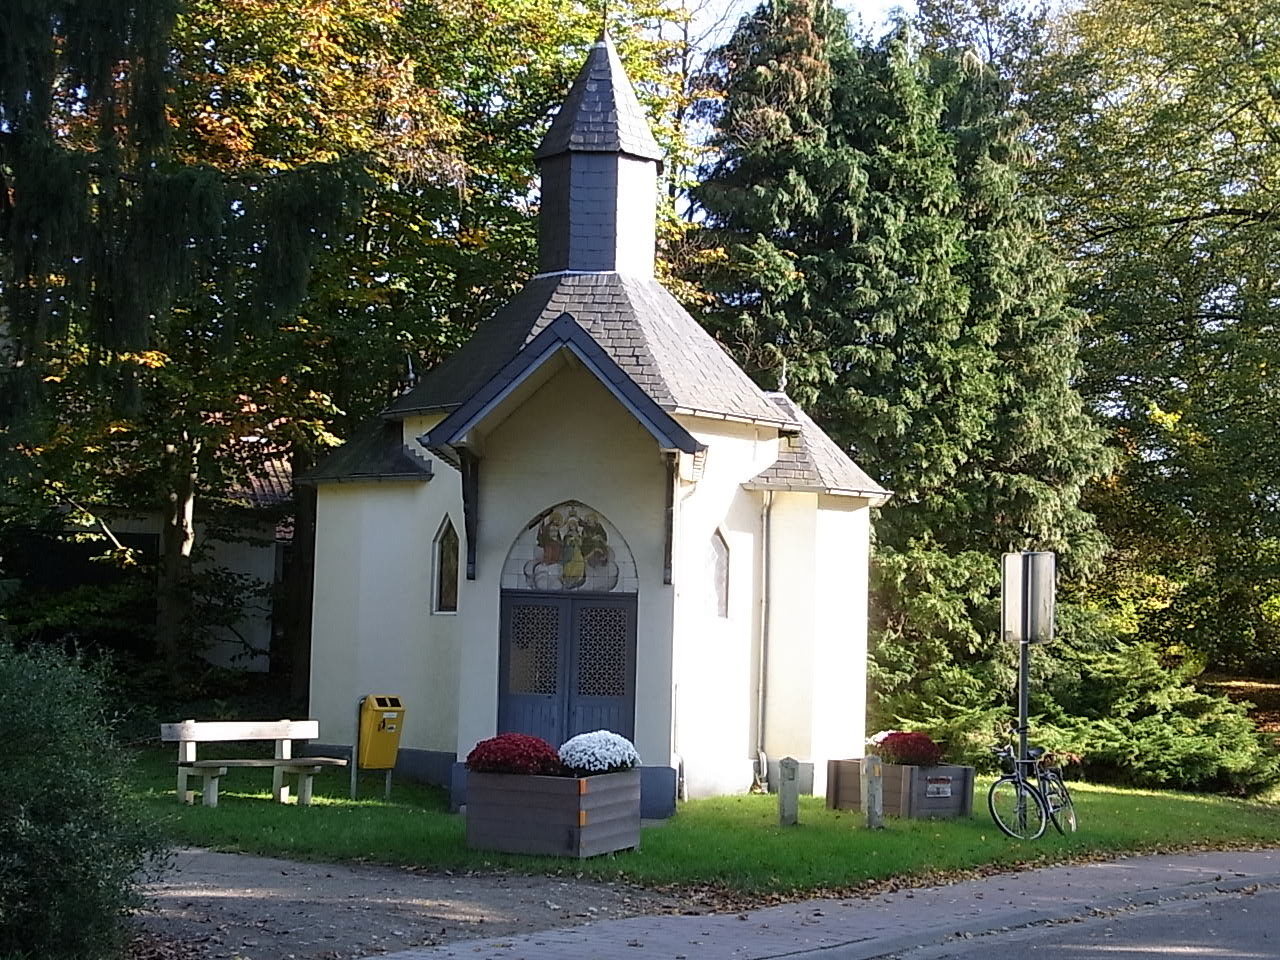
(811, 461)
(641, 326)
(376, 452)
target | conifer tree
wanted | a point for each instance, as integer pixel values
(922, 321)
(1022, 483)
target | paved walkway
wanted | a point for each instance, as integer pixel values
(892, 924)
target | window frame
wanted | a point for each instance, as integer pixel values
(437, 567)
(723, 606)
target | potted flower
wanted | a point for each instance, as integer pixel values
(524, 796)
(916, 783)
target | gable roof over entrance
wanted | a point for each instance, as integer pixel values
(563, 333)
(635, 320)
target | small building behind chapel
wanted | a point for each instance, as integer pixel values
(590, 517)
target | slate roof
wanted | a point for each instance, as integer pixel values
(269, 485)
(811, 461)
(601, 113)
(375, 452)
(637, 322)
(563, 332)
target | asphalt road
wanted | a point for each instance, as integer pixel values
(1232, 926)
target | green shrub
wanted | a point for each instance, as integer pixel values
(1132, 720)
(72, 842)
(1137, 722)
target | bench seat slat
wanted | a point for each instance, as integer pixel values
(209, 731)
(316, 762)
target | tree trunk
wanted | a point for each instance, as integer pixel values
(177, 537)
(298, 586)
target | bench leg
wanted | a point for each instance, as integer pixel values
(183, 795)
(279, 788)
(211, 790)
(304, 789)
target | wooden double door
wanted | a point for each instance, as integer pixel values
(567, 664)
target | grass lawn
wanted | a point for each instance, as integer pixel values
(733, 843)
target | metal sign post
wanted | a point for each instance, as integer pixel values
(1027, 604)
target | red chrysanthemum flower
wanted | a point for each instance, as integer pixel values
(515, 753)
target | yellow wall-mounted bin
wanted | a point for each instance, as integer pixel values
(381, 721)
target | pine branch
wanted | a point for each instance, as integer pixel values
(1244, 214)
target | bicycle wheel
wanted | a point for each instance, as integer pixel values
(1062, 811)
(1017, 808)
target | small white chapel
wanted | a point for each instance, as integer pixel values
(590, 517)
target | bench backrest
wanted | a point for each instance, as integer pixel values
(209, 731)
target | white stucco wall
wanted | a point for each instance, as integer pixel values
(373, 628)
(715, 656)
(569, 440)
(793, 598)
(252, 554)
(839, 702)
(817, 673)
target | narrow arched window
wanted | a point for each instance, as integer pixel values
(720, 572)
(446, 562)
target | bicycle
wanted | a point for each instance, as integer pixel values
(1030, 795)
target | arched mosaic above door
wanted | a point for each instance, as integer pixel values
(570, 548)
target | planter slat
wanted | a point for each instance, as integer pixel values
(561, 816)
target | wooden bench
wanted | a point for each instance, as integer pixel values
(190, 733)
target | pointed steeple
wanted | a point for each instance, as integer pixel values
(599, 165)
(601, 113)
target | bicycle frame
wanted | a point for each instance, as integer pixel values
(1031, 774)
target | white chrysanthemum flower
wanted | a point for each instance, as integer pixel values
(600, 751)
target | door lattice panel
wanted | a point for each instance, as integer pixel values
(535, 649)
(602, 652)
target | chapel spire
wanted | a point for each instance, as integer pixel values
(599, 164)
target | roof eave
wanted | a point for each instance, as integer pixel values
(876, 498)
(783, 426)
(404, 412)
(365, 478)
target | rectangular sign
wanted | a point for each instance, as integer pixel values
(937, 787)
(1040, 583)
(1011, 597)
(1028, 588)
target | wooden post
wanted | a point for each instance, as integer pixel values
(789, 791)
(355, 747)
(186, 754)
(304, 788)
(872, 784)
(211, 787)
(279, 787)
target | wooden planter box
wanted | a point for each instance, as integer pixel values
(560, 816)
(942, 791)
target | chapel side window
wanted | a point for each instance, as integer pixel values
(720, 572)
(446, 569)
